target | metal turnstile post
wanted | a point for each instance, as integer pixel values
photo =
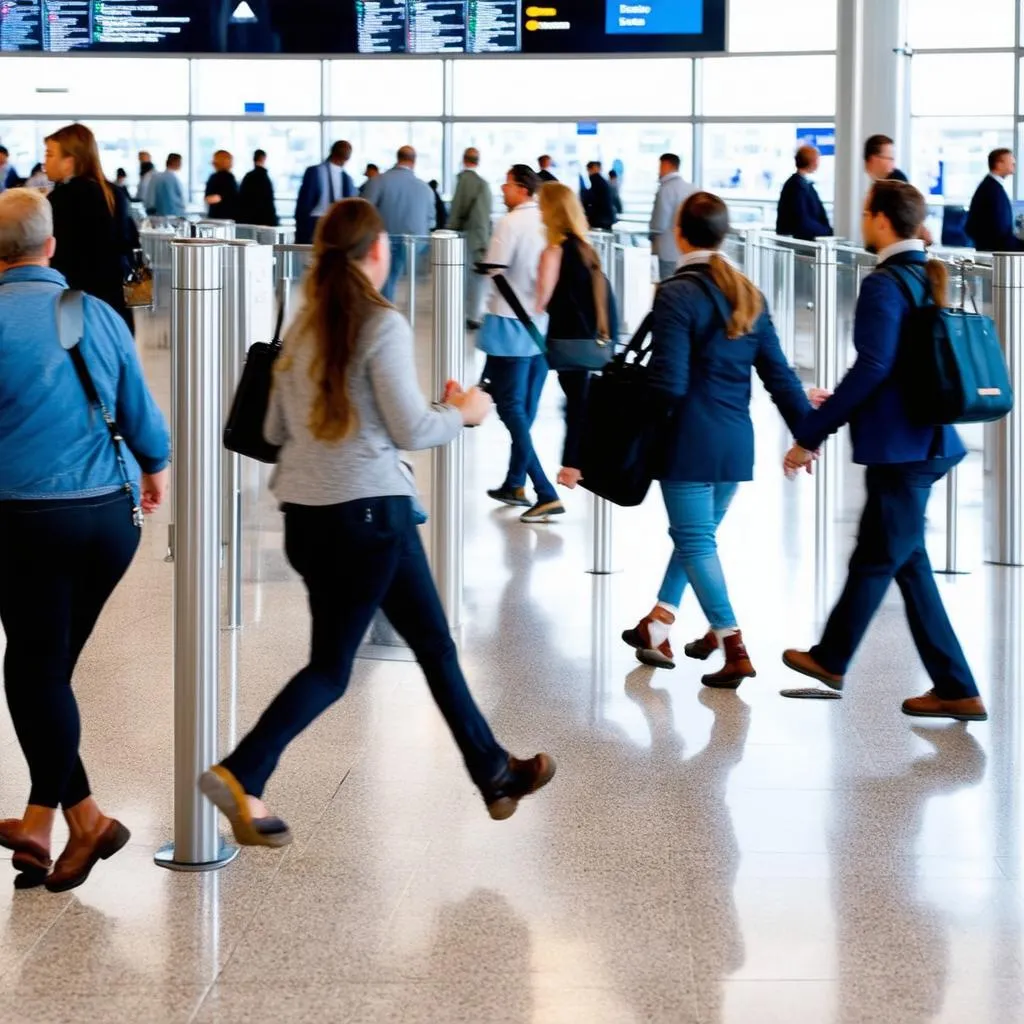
(410, 263)
(1004, 441)
(196, 324)
(448, 265)
(602, 561)
(826, 375)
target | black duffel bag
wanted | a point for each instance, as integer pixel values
(624, 426)
(243, 432)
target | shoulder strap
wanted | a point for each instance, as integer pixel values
(71, 331)
(636, 343)
(708, 287)
(904, 284)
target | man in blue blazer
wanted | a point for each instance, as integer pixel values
(990, 220)
(322, 186)
(801, 212)
(903, 463)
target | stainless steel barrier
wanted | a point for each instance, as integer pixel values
(448, 263)
(826, 375)
(266, 235)
(1004, 441)
(604, 243)
(222, 229)
(196, 322)
(603, 546)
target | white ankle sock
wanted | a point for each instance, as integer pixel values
(661, 631)
(723, 633)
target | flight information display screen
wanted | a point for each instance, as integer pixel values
(363, 26)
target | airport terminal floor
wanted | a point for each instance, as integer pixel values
(701, 856)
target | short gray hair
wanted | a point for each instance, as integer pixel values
(26, 224)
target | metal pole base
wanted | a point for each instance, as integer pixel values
(950, 572)
(164, 858)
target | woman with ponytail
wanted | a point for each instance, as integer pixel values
(345, 404)
(711, 329)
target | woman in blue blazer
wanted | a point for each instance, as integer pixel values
(711, 328)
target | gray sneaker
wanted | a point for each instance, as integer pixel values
(543, 511)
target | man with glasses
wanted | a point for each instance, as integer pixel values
(516, 367)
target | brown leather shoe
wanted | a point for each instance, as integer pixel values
(81, 855)
(640, 639)
(518, 780)
(802, 662)
(30, 860)
(702, 649)
(737, 665)
(930, 705)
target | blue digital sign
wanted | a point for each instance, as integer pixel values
(654, 17)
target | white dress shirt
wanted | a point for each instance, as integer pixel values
(518, 241)
(909, 245)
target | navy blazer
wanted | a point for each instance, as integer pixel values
(708, 378)
(990, 219)
(801, 212)
(870, 397)
(310, 194)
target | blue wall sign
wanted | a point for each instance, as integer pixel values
(822, 139)
(586, 127)
(255, 108)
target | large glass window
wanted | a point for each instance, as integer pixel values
(752, 161)
(291, 147)
(401, 88)
(950, 154)
(768, 86)
(377, 142)
(233, 88)
(661, 87)
(937, 84)
(786, 25)
(93, 85)
(953, 24)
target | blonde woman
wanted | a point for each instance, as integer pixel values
(711, 329)
(345, 404)
(573, 291)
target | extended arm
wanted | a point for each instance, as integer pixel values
(778, 377)
(412, 422)
(547, 276)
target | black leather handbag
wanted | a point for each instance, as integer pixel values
(243, 432)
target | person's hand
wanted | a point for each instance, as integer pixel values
(154, 490)
(798, 458)
(212, 200)
(474, 404)
(818, 397)
(451, 389)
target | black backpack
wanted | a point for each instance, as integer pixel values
(951, 364)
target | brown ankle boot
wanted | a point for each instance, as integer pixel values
(737, 665)
(657, 656)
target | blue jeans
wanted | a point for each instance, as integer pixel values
(694, 513)
(516, 386)
(355, 558)
(891, 546)
(399, 261)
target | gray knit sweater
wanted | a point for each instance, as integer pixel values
(393, 416)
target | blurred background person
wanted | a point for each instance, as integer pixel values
(801, 213)
(256, 203)
(471, 214)
(222, 188)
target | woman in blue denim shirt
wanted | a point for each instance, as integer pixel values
(711, 329)
(69, 528)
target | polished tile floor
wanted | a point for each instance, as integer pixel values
(713, 857)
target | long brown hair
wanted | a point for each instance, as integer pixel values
(339, 298)
(563, 216)
(79, 143)
(704, 223)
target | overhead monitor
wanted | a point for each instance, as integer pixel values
(328, 27)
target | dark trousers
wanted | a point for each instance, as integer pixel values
(357, 558)
(575, 385)
(517, 383)
(891, 546)
(59, 563)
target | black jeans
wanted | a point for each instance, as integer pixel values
(891, 546)
(575, 385)
(355, 558)
(59, 563)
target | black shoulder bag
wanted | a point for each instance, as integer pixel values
(71, 331)
(243, 432)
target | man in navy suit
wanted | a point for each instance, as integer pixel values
(904, 461)
(322, 186)
(990, 220)
(801, 212)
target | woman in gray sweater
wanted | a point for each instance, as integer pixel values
(345, 403)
